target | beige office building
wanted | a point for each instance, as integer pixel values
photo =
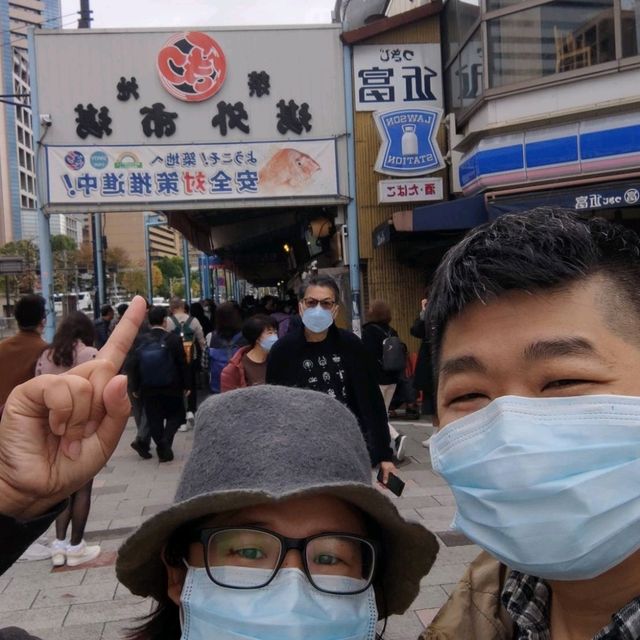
(126, 231)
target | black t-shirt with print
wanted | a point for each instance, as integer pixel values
(321, 368)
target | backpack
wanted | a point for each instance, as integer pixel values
(394, 353)
(156, 364)
(187, 334)
(220, 351)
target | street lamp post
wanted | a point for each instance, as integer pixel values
(150, 220)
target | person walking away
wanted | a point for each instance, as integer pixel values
(248, 366)
(223, 342)
(72, 345)
(18, 357)
(159, 375)
(423, 375)
(142, 442)
(103, 325)
(19, 354)
(382, 342)
(197, 311)
(189, 329)
(121, 309)
(317, 355)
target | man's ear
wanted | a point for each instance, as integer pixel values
(175, 578)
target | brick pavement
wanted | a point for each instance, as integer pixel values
(88, 603)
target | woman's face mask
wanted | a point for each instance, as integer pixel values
(288, 608)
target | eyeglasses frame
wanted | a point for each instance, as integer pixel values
(286, 544)
(334, 303)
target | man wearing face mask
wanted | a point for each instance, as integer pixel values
(321, 357)
(534, 326)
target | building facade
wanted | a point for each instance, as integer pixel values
(546, 105)
(126, 231)
(18, 215)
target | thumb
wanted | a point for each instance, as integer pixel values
(118, 408)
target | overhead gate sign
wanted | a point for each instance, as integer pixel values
(187, 120)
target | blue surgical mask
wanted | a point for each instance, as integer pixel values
(548, 486)
(317, 319)
(268, 342)
(288, 608)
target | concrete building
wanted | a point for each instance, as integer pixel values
(546, 105)
(18, 219)
(126, 230)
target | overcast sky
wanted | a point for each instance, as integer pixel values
(179, 13)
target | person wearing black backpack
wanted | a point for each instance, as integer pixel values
(158, 373)
(390, 355)
(189, 329)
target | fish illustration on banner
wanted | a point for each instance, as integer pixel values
(287, 168)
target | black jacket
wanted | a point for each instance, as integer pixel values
(364, 397)
(423, 375)
(15, 537)
(373, 335)
(174, 344)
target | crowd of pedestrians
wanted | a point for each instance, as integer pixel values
(529, 364)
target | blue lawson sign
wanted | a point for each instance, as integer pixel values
(409, 146)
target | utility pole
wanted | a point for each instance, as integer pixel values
(84, 22)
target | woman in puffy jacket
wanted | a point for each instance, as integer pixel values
(248, 366)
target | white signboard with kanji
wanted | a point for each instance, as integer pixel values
(191, 173)
(161, 94)
(416, 190)
(397, 75)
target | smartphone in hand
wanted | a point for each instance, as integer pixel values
(395, 485)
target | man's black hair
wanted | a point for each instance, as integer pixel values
(541, 249)
(157, 316)
(105, 310)
(122, 308)
(320, 281)
(30, 311)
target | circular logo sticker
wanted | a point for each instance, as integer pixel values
(99, 160)
(631, 196)
(192, 66)
(74, 160)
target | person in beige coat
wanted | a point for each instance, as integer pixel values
(534, 322)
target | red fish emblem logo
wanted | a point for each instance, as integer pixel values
(192, 66)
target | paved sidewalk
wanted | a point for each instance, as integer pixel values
(87, 603)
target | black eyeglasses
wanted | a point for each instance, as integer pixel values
(312, 303)
(339, 563)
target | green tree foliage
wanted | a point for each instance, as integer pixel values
(26, 282)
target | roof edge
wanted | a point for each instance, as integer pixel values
(386, 24)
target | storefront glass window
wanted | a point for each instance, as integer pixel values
(451, 40)
(549, 39)
(492, 5)
(468, 14)
(471, 70)
(630, 14)
(452, 87)
(463, 78)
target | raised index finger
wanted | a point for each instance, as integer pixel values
(120, 341)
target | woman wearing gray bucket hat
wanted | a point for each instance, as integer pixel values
(276, 531)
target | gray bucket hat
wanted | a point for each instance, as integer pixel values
(266, 444)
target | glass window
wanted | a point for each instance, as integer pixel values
(452, 86)
(552, 38)
(468, 14)
(471, 70)
(630, 11)
(451, 40)
(492, 5)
